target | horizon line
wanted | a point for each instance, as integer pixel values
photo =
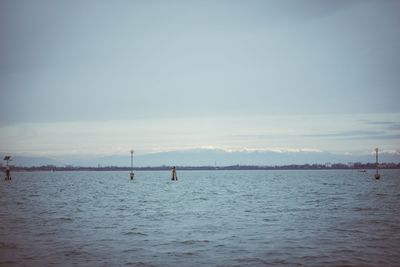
(328, 165)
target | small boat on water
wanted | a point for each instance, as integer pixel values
(362, 170)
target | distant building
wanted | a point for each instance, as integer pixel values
(328, 165)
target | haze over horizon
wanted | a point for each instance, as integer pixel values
(100, 77)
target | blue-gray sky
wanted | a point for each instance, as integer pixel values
(104, 76)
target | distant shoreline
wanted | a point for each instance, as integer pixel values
(337, 166)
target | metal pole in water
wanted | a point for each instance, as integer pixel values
(377, 175)
(132, 174)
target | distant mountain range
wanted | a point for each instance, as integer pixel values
(203, 157)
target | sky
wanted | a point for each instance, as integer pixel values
(102, 77)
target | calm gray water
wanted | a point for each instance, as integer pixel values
(207, 218)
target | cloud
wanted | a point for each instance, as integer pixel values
(246, 133)
(394, 126)
(280, 150)
(389, 125)
(386, 137)
(315, 8)
(356, 133)
(379, 122)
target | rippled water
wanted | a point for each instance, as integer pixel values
(207, 218)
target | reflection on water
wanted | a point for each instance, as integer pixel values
(207, 218)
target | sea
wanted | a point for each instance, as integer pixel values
(206, 218)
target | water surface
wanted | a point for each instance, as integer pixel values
(207, 218)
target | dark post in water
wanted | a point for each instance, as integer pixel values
(174, 177)
(377, 175)
(8, 171)
(132, 174)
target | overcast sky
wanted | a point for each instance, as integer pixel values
(100, 77)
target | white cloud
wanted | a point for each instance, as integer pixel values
(254, 133)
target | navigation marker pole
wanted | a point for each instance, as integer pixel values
(377, 175)
(132, 174)
(8, 172)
